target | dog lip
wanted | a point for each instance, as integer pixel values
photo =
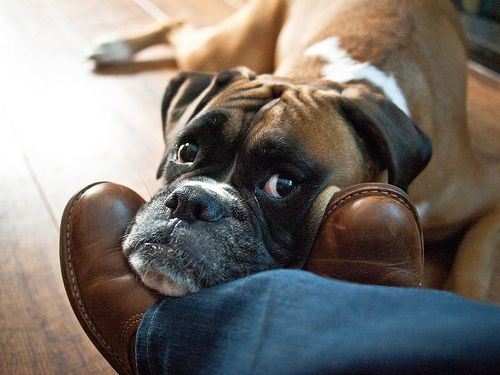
(166, 284)
(162, 238)
(154, 246)
(171, 254)
(168, 279)
(173, 224)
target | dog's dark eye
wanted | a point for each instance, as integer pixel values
(187, 152)
(278, 186)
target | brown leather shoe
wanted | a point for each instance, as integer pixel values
(105, 295)
(371, 234)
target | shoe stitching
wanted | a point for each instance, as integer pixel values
(127, 325)
(74, 286)
(384, 192)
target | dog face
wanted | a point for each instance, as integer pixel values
(247, 159)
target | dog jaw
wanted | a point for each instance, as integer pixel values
(160, 279)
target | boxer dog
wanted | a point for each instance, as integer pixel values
(333, 93)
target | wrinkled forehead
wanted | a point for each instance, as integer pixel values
(268, 113)
(292, 106)
(301, 119)
(241, 102)
(234, 104)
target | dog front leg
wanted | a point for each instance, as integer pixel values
(246, 38)
(120, 50)
(475, 272)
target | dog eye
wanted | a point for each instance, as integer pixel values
(278, 186)
(187, 153)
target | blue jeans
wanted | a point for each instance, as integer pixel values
(293, 322)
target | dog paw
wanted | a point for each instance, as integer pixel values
(113, 52)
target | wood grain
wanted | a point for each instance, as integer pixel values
(63, 126)
(39, 334)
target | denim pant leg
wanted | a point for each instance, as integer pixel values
(293, 322)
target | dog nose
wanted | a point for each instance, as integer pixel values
(192, 203)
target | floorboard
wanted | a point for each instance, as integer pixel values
(63, 126)
(39, 334)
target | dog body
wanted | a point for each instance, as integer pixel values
(330, 99)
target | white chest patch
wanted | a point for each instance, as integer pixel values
(340, 67)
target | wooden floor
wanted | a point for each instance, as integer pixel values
(63, 126)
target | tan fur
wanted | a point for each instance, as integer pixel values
(422, 44)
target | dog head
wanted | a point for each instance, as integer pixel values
(248, 161)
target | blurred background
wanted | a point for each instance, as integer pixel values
(481, 20)
(64, 125)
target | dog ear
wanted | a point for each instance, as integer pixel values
(400, 146)
(180, 94)
(186, 95)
